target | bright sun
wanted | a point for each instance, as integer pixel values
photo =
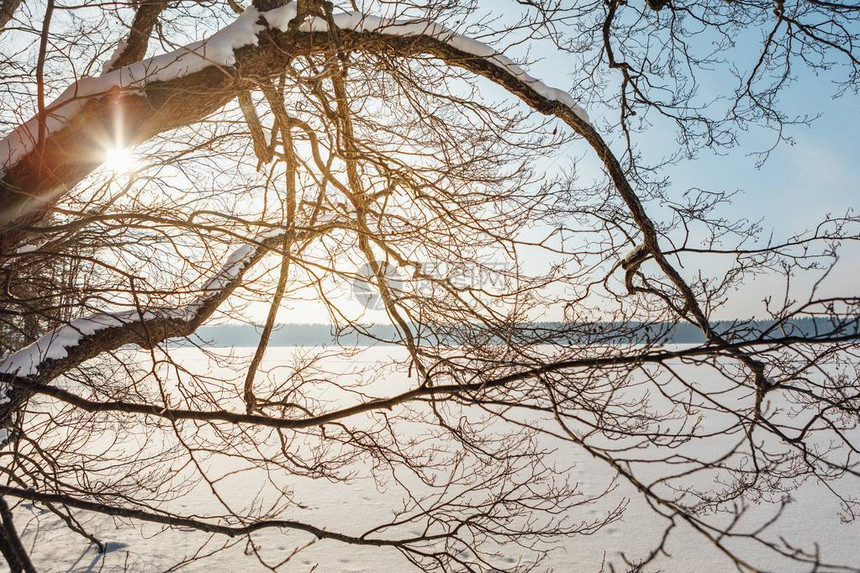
(119, 160)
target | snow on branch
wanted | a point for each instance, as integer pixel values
(218, 50)
(61, 342)
(358, 22)
(54, 344)
(117, 53)
(636, 255)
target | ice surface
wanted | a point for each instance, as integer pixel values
(363, 503)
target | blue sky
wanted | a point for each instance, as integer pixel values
(790, 193)
(796, 187)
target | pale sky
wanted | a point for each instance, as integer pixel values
(795, 188)
(790, 193)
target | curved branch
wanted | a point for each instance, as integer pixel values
(231, 531)
(35, 387)
(242, 46)
(183, 87)
(70, 345)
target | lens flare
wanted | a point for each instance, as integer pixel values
(119, 160)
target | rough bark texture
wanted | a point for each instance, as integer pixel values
(7, 10)
(138, 37)
(36, 182)
(10, 544)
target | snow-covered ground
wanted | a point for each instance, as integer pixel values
(359, 505)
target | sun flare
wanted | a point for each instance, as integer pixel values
(119, 160)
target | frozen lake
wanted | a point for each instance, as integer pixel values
(363, 503)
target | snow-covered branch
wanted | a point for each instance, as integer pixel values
(184, 86)
(219, 50)
(69, 345)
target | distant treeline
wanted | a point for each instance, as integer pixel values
(229, 335)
